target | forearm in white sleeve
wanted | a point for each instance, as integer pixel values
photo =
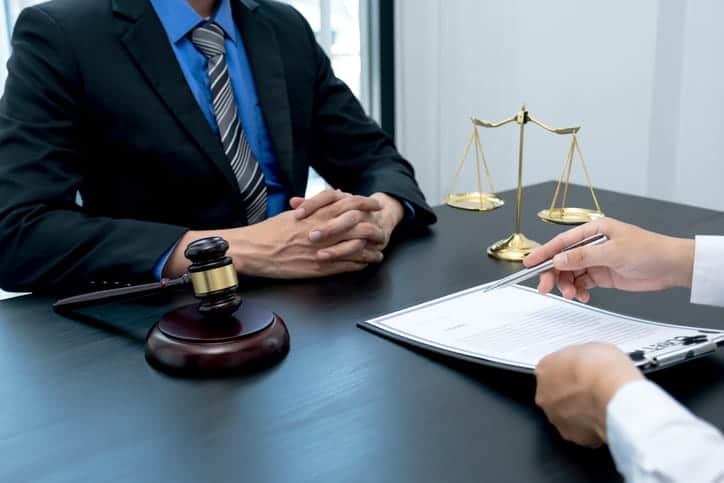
(653, 438)
(707, 284)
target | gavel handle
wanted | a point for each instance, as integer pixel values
(102, 296)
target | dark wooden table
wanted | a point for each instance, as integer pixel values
(79, 403)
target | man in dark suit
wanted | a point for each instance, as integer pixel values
(174, 120)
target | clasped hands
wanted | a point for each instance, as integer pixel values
(332, 232)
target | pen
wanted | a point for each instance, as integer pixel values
(531, 272)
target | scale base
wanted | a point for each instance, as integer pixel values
(184, 342)
(514, 248)
(474, 201)
(569, 216)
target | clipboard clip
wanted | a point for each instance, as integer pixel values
(689, 348)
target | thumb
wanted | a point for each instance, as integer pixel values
(295, 201)
(581, 258)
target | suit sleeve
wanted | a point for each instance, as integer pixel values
(47, 241)
(352, 152)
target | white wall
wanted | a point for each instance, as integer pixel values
(699, 172)
(642, 78)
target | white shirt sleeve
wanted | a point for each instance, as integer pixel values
(707, 284)
(653, 438)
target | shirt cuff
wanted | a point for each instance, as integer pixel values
(634, 412)
(161, 262)
(409, 210)
(651, 433)
(707, 284)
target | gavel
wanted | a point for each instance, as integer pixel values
(219, 334)
(213, 276)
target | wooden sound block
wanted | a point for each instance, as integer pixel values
(183, 342)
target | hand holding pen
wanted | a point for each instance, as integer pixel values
(535, 270)
(632, 259)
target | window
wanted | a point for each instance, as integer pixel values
(338, 26)
(9, 10)
(13, 7)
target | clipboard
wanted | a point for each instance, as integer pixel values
(483, 326)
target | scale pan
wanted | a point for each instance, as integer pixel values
(569, 216)
(474, 201)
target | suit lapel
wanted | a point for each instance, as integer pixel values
(265, 60)
(146, 41)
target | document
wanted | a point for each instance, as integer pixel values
(515, 327)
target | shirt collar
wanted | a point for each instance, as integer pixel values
(179, 18)
(225, 20)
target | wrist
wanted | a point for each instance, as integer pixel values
(177, 263)
(392, 210)
(248, 250)
(605, 388)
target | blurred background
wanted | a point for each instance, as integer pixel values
(643, 79)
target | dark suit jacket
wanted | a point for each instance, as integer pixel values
(96, 103)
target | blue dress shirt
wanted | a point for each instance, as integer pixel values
(179, 19)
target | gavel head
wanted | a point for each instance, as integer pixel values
(213, 276)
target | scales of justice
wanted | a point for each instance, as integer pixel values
(517, 246)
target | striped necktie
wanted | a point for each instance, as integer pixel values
(209, 39)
